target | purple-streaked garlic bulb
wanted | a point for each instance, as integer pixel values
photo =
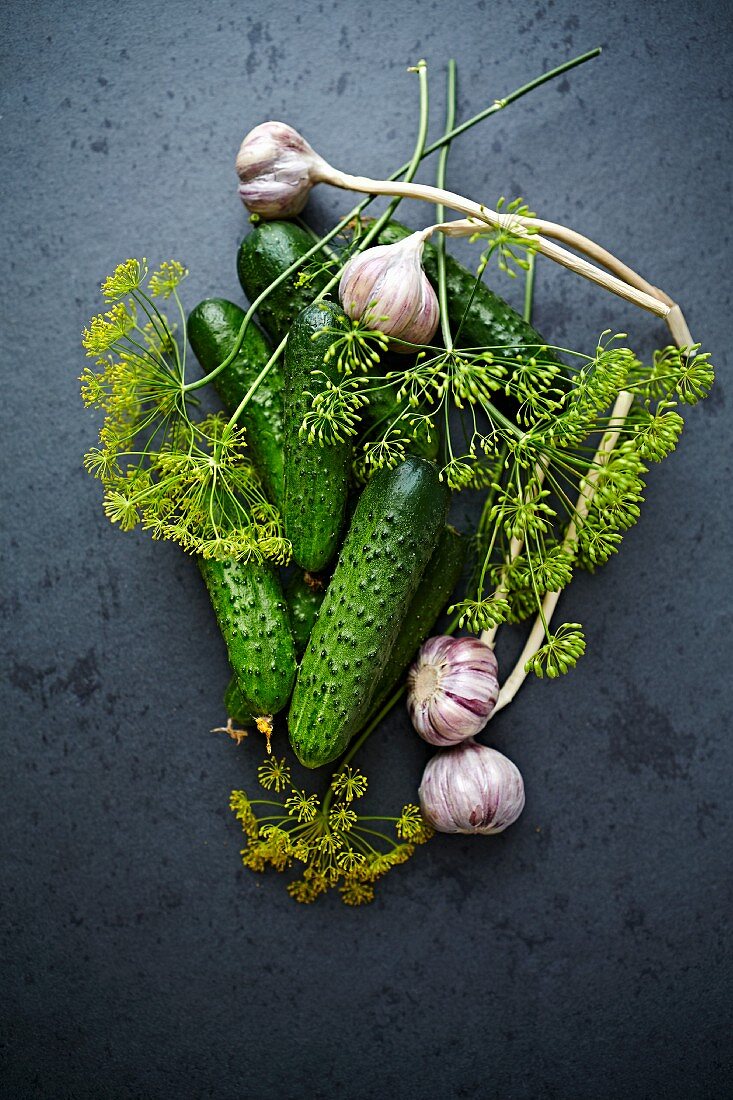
(276, 169)
(452, 689)
(387, 288)
(471, 789)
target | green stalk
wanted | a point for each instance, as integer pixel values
(357, 744)
(450, 118)
(529, 289)
(499, 104)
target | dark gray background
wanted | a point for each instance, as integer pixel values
(582, 953)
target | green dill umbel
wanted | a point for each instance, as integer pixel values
(183, 479)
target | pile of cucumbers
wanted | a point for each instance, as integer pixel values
(365, 593)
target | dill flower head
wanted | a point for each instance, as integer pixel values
(334, 845)
(125, 278)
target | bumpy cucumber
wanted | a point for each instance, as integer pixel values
(264, 254)
(490, 320)
(304, 597)
(389, 543)
(316, 477)
(213, 327)
(254, 622)
(441, 575)
(236, 705)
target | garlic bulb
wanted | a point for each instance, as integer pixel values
(276, 169)
(452, 689)
(471, 789)
(387, 286)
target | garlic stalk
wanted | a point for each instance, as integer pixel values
(452, 688)
(517, 223)
(387, 287)
(471, 789)
(536, 636)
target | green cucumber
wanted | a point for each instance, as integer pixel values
(235, 705)
(304, 595)
(391, 538)
(265, 253)
(316, 476)
(254, 622)
(490, 321)
(213, 327)
(441, 576)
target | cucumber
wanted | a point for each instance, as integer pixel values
(490, 320)
(236, 706)
(213, 327)
(391, 538)
(441, 576)
(304, 595)
(254, 622)
(316, 477)
(268, 250)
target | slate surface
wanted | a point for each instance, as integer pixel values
(582, 953)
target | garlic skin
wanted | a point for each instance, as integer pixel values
(387, 286)
(471, 789)
(452, 688)
(277, 168)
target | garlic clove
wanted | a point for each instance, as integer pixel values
(452, 689)
(277, 169)
(386, 287)
(471, 788)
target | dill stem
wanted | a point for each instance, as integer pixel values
(255, 385)
(488, 637)
(357, 744)
(450, 117)
(499, 104)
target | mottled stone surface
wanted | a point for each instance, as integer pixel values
(579, 955)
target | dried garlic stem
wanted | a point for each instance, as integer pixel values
(674, 317)
(537, 634)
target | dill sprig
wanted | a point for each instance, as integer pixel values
(524, 425)
(334, 845)
(179, 478)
